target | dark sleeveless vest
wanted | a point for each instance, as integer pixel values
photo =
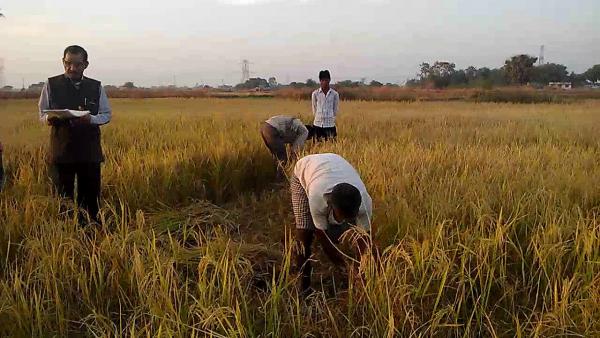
(75, 144)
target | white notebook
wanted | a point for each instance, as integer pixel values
(66, 114)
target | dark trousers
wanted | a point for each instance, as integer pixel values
(88, 184)
(320, 133)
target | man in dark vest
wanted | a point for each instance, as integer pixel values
(75, 149)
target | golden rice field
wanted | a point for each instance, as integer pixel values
(488, 216)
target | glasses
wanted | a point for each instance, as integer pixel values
(76, 64)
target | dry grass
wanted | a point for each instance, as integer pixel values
(488, 214)
(365, 93)
(499, 95)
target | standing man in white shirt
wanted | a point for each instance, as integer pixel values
(325, 105)
(328, 197)
(75, 148)
(279, 131)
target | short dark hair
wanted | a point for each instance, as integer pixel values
(75, 49)
(324, 74)
(346, 198)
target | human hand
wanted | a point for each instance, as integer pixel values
(84, 120)
(53, 121)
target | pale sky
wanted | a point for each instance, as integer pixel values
(204, 41)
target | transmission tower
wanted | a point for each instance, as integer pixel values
(541, 59)
(245, 71)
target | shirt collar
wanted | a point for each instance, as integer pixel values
(74, 83)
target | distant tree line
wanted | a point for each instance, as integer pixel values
(310, 83)
(517, 70)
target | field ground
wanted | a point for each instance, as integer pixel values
(488, 215)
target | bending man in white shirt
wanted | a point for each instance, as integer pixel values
(278, 131)
(325, 105)
(328, 197)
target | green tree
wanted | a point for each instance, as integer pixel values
(128, 85)
(471, 73)
(439, 74)
(483, 73)
(459, 78)
(375, 84)
(592, 74)
(550, 72)
(255, 82)
(442, 73)
(410, 83)
(424, 71)
(519, 68)
(497, 77)
(311, 83)
(348, 83)
(443, 69)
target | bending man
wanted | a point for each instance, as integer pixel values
(278, 131)
(328, 197)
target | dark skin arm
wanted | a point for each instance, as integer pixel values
(364, 244)
(86, 119)
(53, 121)
(330, 249)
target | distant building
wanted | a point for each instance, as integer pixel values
(273, 82)
(561, 85)
(36, 86)
(592, 85)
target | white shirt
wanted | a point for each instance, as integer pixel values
(291, 129)
(104, 110)
(325, 107)
(318, 174)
